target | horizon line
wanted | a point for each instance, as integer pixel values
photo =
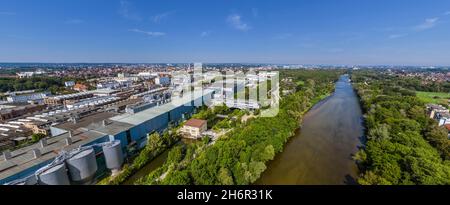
(301, 64)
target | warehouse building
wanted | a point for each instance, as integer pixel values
(127, 128)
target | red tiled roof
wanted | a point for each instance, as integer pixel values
(195, 123)
(447, 126)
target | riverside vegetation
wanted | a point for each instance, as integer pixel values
(241, 155)
(404, 146)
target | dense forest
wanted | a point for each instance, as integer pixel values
(418, 85)
(36, 83)
(403, 146)
(410, 83)
(240, 156)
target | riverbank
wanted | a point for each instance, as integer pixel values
(156, 145)
(320, 152)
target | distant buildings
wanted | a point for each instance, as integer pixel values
(435, 111)
(108, 85)
(37, 97)
(7, 114)
(147, 75)
(29, 74)
(60, 100)
(165, 81)
(80, 87)
(444, 118)
(441, 114)
(69, 83)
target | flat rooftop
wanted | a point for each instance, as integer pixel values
(23, 158)
(143, 116)
(96, 118)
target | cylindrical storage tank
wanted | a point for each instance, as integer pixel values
(31, 180)
(56, 175)
(113, 155)
(82, 167)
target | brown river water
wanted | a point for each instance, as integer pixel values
(321, 151)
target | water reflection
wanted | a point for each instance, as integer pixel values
(321, 153)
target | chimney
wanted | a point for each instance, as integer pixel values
(7, 155)
(70, 134)
(68, 141)
(104, 123)
(43, 143)
(36, 153)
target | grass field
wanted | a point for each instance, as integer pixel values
(300, 83)
(437, 98)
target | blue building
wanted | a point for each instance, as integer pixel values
(128, 128)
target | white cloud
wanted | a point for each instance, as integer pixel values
(159, 17)
(148, 33)
(236, 22)
(73, 21)
(427, 24)
(127, 12)
(395, 36)
(205, 34)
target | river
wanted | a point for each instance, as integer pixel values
(321, 151)
(147, 169)
(154, 164)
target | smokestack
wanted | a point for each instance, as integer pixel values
(68, 141)
(36, 153)
(7, 155)
(43, 143)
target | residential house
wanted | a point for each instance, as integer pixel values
(194, 128)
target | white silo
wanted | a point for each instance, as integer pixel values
(55, 175)
(82, 167)
(113, 156)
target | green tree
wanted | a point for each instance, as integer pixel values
(154, 142)
(225, 177)
(37, 136)
(177, 178)
(269, 153)
(370, 178)
(379, 132)
(175, 155)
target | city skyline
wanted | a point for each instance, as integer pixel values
(289, 32)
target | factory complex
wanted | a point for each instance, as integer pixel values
(128, 129)
(80, 137)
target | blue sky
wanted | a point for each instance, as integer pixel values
(401, 32)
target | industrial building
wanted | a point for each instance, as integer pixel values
(60, 100)
(11, 113)
(131, 129)
(37, 97)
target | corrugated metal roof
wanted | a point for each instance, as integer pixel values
(23, 158)
(143, 116)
